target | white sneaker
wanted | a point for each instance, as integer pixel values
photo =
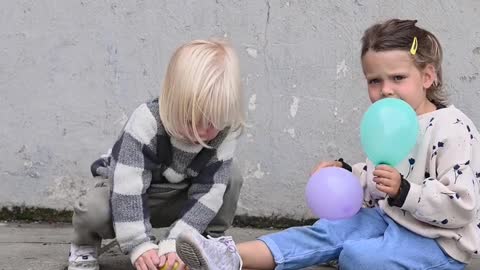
(200, 253)
(83, 258)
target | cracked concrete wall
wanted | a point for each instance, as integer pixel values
(72, 71)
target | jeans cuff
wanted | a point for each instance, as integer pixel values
(275, 250)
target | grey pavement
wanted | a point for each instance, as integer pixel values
(45, 247)
(35, 246)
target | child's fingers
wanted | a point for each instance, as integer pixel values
(382, 173)
(140, 264)
(318, 167)
(382, 181)
(383, 188)
(155, 259)
(337, 164)
(172, 257)
(170, 262)
(325, 164)
(387, 187)
(180, 261)
(149, 263)
(161, 260)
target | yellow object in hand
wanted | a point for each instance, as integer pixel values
(175, 266)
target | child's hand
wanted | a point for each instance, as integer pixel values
(388, 180)
(171, 261)
(325, 164)
(148, 260)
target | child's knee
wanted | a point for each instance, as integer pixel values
(92, 211)
(236, 180)
(356, 256)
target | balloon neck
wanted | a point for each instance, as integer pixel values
(384, 163)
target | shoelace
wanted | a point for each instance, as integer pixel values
(227, 241)
(231, 247)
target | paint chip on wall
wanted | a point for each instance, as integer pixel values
(252, 102)
(252, 52)
(294, 106)
(342, 69)
(290, 131)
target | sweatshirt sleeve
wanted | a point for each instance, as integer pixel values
(130, 181)
(447, 198)
(360, 171)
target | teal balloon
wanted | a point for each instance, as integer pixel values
(389, 131)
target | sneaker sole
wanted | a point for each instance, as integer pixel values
(82, 268)
(191, 255)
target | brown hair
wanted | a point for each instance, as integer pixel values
(398, 34)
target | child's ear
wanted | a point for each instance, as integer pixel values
(429, 76)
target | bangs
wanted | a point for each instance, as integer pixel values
(219, 104)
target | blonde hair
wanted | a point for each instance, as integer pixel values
(202, 87)
(396, 34)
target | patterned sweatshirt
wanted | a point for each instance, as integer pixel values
(440, 192)
(144, 155)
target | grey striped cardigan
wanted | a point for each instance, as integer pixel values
(145, 154)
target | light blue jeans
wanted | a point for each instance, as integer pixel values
(370, 240)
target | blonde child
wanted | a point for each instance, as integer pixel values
(171, 166)
(422, 214)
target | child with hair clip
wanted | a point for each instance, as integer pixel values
(171, 166)
(421, 214)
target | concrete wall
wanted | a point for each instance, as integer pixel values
(72, 71)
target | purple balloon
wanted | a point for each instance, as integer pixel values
(334, 193)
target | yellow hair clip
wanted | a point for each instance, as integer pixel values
(413, 49)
